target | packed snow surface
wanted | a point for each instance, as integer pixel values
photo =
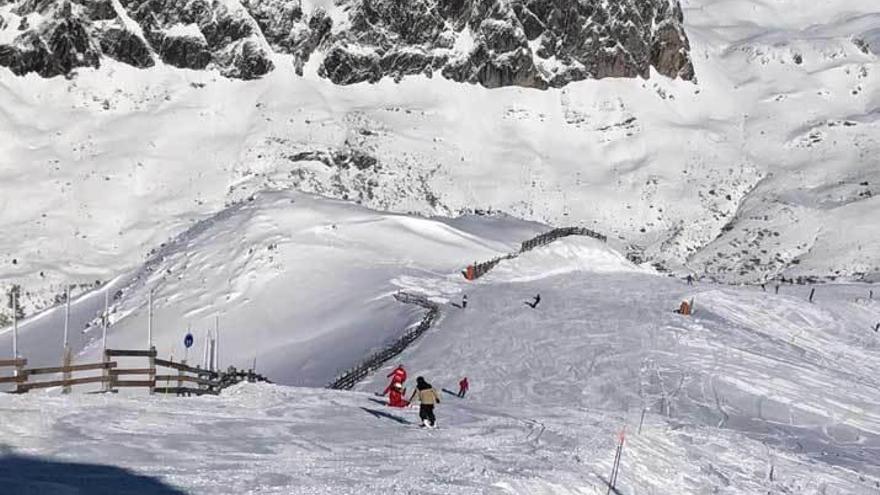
(756, 392)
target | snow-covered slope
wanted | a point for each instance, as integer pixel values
(756, 393)
(289, 276)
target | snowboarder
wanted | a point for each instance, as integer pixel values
(398, 375)
(395, 393)
(690, 279)
(534, 303)
(463, 386)
(428, 398)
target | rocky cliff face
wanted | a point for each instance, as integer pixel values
(530, 43)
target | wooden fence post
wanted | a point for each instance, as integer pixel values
(199, 376)
(106, 373)
(20, 373)
(180, 378)
(152, 366)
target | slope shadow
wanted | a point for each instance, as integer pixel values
(450, 392)
(383, 414)
(36, 476)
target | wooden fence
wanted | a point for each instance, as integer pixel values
(17, 365)
(477, 270)
(348, 379)
(158, 375)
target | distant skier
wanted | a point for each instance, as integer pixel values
(534, 303)
(777, 288)
(398, 375)
(877, 327)
(463, 387)
(464, 301)
(690, 279)
(395, 393)
(428, 398)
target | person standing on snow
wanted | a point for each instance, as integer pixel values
(428, 398)
(463, 386)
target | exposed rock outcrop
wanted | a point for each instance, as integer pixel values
(126, 47)
(494, 43)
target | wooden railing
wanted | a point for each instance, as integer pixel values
(477, 270)
(187, 380)
(66, 371)
(175, 378)
(17, 376)
(348, 379)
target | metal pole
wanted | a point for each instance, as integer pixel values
(150, 319)
(212, 354)
(106, 318)
(66, 316)
(205, 353)
(15, 324)
(217, 337)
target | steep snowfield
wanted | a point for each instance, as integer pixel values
(768, 164)
(290, 276)
(755, 393)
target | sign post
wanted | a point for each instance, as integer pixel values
(187, 343)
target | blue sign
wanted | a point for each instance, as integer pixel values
(188, 340)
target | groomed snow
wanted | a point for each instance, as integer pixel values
(755, 393)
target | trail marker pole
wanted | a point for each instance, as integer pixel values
(150, 319)
(66, 315)
(217, 341)
(812, 293)
(612, 481)
(212, 354)
(105, 319)
(642, 420)
(15, 327)
(205, 353)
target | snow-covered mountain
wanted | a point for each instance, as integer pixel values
(535, 43)
(763, 166)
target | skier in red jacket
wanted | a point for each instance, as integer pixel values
(396, 392)
(463, 387)
(398, 375)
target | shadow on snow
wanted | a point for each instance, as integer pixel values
(36, 476)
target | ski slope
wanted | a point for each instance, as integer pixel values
(287, 277)
(754, 393)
